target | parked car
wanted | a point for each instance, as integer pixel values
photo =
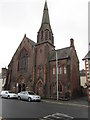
(28, 95)
(8, 94)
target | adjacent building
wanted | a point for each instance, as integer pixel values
(3, 76)
(83, 83)
(33, 66)
(1, 81)
(87, 57)
(87, 68)
(83, 78)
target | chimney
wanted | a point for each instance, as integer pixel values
(72, 42)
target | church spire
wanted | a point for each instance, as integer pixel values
(45, 32)
(45, 19)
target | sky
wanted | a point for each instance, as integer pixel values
(68, 19)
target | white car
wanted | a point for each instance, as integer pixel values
(28, 95)
(8, 94)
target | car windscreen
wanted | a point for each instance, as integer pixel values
(10, 92)
(31, 93)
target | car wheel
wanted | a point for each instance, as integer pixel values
(8, 97)
(29, 99)
(19, 98)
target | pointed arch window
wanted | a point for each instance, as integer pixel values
(42, 35)
(53, 70)
(23, 60)
(50, 36)
(60, 88)
(60, 70)
(65, 70)
(46, 34)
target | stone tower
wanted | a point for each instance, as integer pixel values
(45, 44)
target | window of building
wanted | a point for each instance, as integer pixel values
(64, 70)
(52, 39)
(60, 70)
(60, 89)
(40, 51)
(53, 71)
(53, 88)
(46, 35)
(49, 35)
(23, 60)
(42, 36)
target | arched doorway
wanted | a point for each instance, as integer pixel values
(19, 88)
(23, 87)
(39, 88)
(21, 84)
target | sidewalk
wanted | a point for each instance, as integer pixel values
(81, 102)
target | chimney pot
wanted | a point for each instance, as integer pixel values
(72, 42)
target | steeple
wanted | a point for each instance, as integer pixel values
(45, 19)
(45, 32)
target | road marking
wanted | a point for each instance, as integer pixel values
(60, 114)
(57, 116)
(73, 104)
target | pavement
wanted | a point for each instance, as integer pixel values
(80, 102)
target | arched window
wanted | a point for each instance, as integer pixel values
(60, 88)
(50, 36)
(23, 60)
(53, 70)
(65, 70)
(46, 35)
(42, 36)
(53, 88)
(60, 70)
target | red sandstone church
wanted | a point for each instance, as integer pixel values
(33, 66)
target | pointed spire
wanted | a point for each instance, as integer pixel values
(45, 32)
(45, 19)
(45, 6)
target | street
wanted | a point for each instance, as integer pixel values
(23, 109)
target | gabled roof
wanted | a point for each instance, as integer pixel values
(61, 54)
(31, 42)
(25, 38)
(87, 56)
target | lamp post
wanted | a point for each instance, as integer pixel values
(57, 73)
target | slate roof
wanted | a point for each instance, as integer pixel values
(87, 56)
(61, 53)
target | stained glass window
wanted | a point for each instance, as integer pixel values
(23, 60)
